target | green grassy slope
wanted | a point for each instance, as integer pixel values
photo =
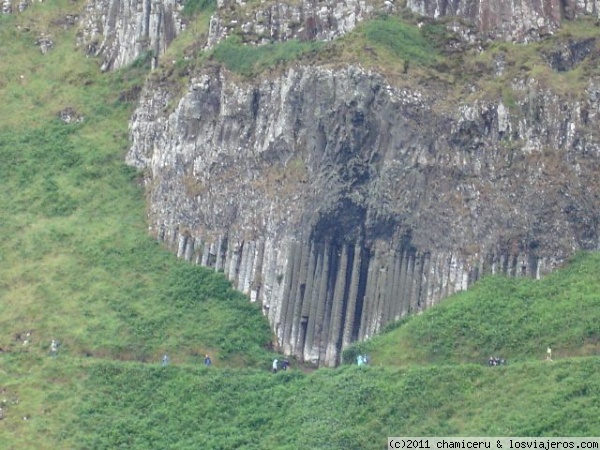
(76, 265)
(352, 407)
(76, 261)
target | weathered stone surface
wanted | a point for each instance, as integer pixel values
(122, 30)
(571, 54)
(281, 21)
(341, 203)
(519, 20)
(12, 6)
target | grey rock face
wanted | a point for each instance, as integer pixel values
(11, 6)
(571, 54)
(519, 20)
(341, 203)
(281, 21)
(122, 30)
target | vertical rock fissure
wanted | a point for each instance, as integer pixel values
(334, 261)
(294, 307)
(353, 293)
(301, 289)
(286, 303)
(307, 296)
(312, 314)
(337, 312)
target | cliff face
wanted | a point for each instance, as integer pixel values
(340, 202)
(304, 20)
(122, 30)
(518, 20)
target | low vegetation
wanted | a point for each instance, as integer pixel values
(402, 40)
(251, 60)
(76, 261)
(77, 265)
(140, 407)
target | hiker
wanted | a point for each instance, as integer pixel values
(207, 361)
(366, 359)
(275, 365)
(491, 361)
(549, 354)
(359, 360)
(285, 364)
(165, 360)
(53, 348)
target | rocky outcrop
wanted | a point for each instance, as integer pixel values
(12, 6)
(122, 30)
(341, 203)
(282, 21)
(519, 20)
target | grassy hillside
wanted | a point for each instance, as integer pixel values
(77, 265)
(140, 407)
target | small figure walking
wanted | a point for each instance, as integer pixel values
(359, 360)
(53, 348)
(549, 354)
(165, 360)
(207, 361)
(285, 364)
(275, 361)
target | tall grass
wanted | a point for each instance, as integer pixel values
(141, 407)
(76, 262)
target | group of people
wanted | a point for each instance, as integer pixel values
(496, 361)
(166, 360)
(284, 365)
